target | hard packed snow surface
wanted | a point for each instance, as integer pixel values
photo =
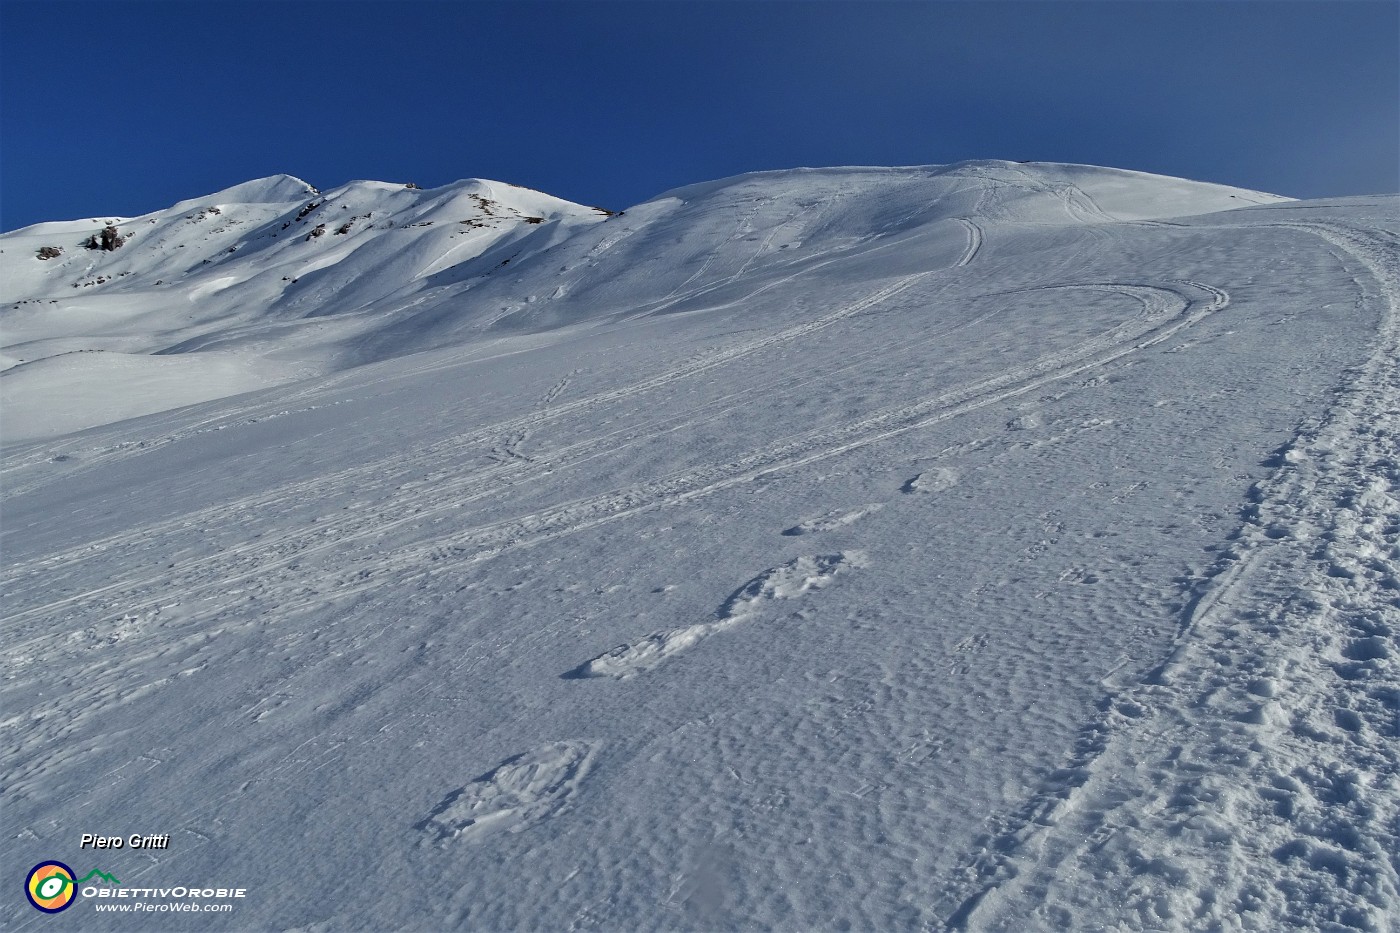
(994, 546)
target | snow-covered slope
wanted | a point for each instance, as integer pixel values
(979, 547)
(259, 284)
(271, 280)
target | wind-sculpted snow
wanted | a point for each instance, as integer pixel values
(985, 547)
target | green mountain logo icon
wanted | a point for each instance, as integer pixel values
(100, 874)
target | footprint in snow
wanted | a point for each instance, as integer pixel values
(1025, 422)
(935, 480)
(1079, 575)
(513, 796)
(833, 520)
(789, 581)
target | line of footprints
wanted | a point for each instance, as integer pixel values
(537, 784)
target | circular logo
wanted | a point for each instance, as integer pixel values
(50, 887)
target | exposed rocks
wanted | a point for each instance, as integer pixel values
(109, 239)
(50, 252)
(484, 203)
(319, 231)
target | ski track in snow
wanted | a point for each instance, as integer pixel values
(679, 294)
(1250, 781)
(274, 560)
(974, 241)
(788, 581)
(270, 568)
(449, 488)
(491, 433)
(509, 448)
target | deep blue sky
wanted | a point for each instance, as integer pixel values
(124, 107)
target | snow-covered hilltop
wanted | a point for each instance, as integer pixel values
(272, 280)
(993, 546)
(261, 283)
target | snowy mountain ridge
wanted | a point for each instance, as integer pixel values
(237, 277)
(984, 547)
(272, 280)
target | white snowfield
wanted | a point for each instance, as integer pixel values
(987, 547)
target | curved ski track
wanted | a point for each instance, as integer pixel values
(274, 561)
(1261, 709)
(974, 241)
